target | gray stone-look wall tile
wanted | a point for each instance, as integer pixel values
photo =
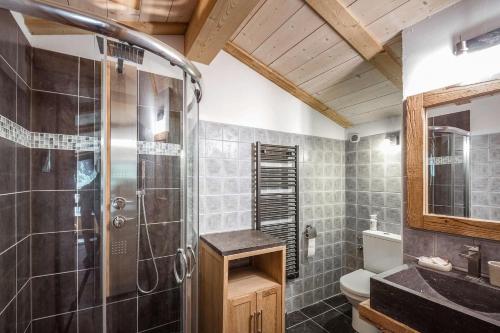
(485, 184)
(226, 198)
(373, 186)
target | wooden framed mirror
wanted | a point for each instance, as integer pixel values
(453, 160)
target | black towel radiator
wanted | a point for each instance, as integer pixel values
(276, 180)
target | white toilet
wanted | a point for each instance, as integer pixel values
(381, 252)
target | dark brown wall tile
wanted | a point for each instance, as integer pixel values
(87, 77)
(7, 166)
(22, 168)
(90, 320)
(24, 58)
(23, 214)
(65, 323)
(161, 171)
(116, 322)
(158, 309)
(53, 252)
(23, 104)
(7, 276)
(8, 319)
(24, 308)
(54, 113)
(7, 221)
(98, 80)
(7, 91)
(162, 206)
(89, 202)
(89, 288)
(88, 249)
(164, 239)
(55, 72)
(169, 328)
(53, 169)
(147, 276)
(23, 262)
(53, 211)
(8, 37)
(53, 294)
(88, 117)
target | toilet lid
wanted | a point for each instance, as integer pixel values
(357, 282)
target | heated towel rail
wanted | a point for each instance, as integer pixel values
(276, 181)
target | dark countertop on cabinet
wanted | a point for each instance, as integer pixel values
(234, 242)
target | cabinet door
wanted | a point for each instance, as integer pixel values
(269, 310)
(242, 314)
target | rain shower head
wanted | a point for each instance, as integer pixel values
(121, 51)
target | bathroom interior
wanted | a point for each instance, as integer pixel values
(249, 166)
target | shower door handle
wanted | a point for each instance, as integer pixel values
(183, 263)
(192, 260)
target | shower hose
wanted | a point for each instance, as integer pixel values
(140, 196)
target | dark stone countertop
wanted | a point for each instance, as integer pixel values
(233, 242)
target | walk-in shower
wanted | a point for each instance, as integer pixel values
(98, 178)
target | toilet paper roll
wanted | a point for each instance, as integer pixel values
(311, 247)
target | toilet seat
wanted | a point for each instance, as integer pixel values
(357, 283)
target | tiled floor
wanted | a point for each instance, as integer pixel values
(332, 315)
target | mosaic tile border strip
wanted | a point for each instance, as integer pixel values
(443, 160)
(14, 132)
(158, 148)
(64, 142)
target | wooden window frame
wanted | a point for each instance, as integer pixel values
(416, 150)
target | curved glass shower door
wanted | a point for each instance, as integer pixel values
(98, 186)
(152, 235)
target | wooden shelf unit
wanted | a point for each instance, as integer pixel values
(245, 299)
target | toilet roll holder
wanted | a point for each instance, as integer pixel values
(310, 232)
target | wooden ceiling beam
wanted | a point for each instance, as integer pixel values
(354, 33)
(212, 25)
(285, 84)
(38, 26)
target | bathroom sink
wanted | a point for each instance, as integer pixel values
(431, 301)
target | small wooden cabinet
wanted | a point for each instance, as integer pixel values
(254, 302)
(248, 299)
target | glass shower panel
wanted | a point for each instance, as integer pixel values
(191, 196)
(448, 181)
(166, 178)
(78, 131)
(57, 175)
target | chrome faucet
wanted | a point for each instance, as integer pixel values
(473, 256)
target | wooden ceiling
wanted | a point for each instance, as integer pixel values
(341, 57)
(346, 54)
(176, 11)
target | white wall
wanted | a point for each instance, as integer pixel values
(235, 94)
(390, 124)
(232, 92)
(428, 59)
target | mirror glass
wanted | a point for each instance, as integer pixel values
(463, 159)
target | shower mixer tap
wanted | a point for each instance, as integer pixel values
(119, 203)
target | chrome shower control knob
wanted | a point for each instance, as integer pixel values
(119, 203)
(119, 221)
